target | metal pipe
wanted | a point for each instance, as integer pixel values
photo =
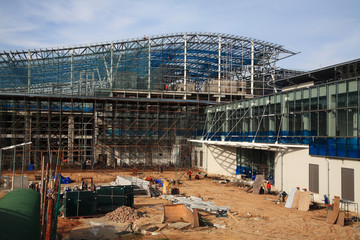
(111, 66)
(0, 163)
(239, 120)
(22, 166)
(14, 146)
(72, 72)
(29, 72)
(13, 178)
(185, 60)
(149, 68)
(252, 69)
(219, 70)
(282, 171)
(259, 124)
(227, 119)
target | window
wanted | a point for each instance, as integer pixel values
(322, 123)
(314, 178)
(347, 184)
(201, 159)
(195, 158)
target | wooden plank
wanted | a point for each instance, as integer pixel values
(290, 198)
(259, 179)
(336, 203)
(335, 213)
(232, 216)
(297, 196)
(341, 219)
(304, 201)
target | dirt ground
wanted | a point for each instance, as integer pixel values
(255, 216)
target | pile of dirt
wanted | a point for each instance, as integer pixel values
(123, 214)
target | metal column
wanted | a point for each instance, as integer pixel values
(72, 72)
(29, 73)
(252, 69)
(149, 69)
(219, 70)
(185, 59)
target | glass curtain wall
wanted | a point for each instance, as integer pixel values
(323, 116)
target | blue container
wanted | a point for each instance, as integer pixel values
(31, 167)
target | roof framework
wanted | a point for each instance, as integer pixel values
(146, 64)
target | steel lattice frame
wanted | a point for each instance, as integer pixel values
(146, 64)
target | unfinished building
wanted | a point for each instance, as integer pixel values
(131, 102)
(305, 136)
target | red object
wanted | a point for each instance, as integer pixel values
(166, 87)
(268, 185)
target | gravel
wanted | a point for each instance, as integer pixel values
(123, 214)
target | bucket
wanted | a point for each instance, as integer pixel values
(31, 167)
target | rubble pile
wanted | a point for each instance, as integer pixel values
(123, 214)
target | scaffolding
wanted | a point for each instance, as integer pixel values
(93, 131)
(130, 102)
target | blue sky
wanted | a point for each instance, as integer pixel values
(325, 31)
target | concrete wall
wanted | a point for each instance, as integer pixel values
(219, 160)
(292, 170)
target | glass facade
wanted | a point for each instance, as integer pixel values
(323, 116)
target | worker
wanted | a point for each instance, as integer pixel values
(197, 177)
(268, 186)
(161, 168)
(189, 173)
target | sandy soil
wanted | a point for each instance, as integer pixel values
(256, 216)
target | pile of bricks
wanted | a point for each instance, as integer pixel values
(123, 214)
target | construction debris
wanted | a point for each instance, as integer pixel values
(141, 187)
(219, 226)
(333, 216)
(196, 203)
(178, 212)
(123, 214)
(290, 199)
(298, 200)
(259, 179)
(179, 225)
(304, 201)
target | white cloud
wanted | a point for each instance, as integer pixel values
(325, 31)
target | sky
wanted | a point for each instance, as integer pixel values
(326, 32)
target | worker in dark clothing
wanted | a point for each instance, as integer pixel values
(268, 187)
(283, 195)
(161, 168)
